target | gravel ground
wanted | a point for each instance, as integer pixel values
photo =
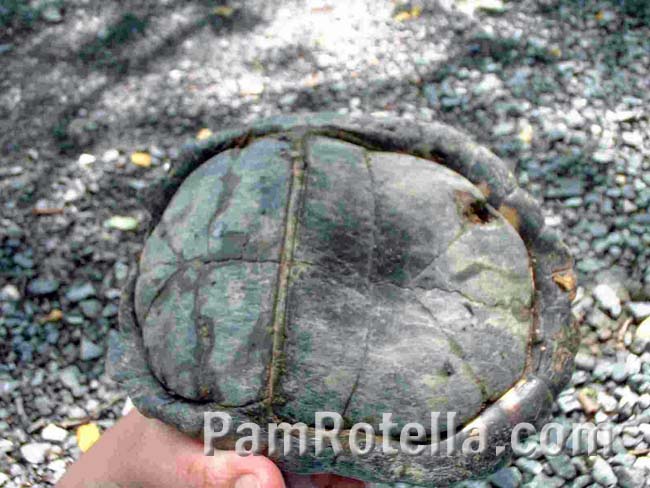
(560, 87)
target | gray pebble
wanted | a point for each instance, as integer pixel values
(643, 464)
(79, 292)
(630, 477)
(603, 473)
(91, 308)
(568, 403)
(602, 371)
(585, 361)
(471, 484)
(7, 386)
(623, 459)
(544, 481)
(88, 350)
(529, 466)
(561, 466)
(506, 478)
(619, 372)
(43, 404)
(70, 379)
(42, 286)
(581, 481)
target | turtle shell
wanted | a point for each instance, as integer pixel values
(357, 266)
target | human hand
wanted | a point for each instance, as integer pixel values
(139, 452)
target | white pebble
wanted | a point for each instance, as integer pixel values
(6, 445)
(608, 300)
(35, 452)
(640, 310)
(128, 406)
(86, 159)
(9, 293)
(54, 433)
(111, 156)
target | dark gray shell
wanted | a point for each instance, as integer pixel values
(360, 266)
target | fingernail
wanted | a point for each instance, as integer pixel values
(247, 481)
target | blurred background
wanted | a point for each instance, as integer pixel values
(96, 98)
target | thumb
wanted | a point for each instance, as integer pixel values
(227, 469)
(143, 452)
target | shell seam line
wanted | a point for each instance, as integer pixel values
(532, 366)
(185, 264)
(457, 351)
(296, 191)
(371, 264)
(205, 340)
(225, 197)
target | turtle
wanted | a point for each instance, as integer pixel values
(352, 265)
